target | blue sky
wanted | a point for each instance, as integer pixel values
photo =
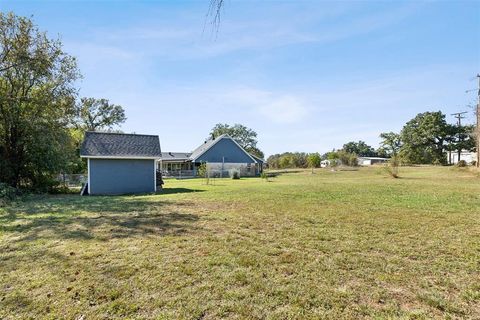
(306, 75)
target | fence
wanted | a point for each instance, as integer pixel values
(179, 174)
(219, 170)
(72, 180)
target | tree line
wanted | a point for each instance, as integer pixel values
(425, 139)
(42, 118)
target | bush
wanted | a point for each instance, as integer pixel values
(462, 163)
(7, 193)
(235, 174)
(202, 170)
(392, 166)
(347, 158)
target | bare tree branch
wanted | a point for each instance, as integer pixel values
(214, 15)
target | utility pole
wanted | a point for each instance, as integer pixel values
(478, 122)
(477, 112)
(459, 116)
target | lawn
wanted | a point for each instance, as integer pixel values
(329, 245)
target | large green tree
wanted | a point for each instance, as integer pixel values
(390, 144)
(245, 137)
(99, 114)
(37, 96)
(425, 138)
(359, 148)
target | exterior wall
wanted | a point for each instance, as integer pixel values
(370, 161)
(469, 157)
(225, 151)
(224, 169)
(364, 162)
(121, 176)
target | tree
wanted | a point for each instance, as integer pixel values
(214, 11)
(245, 137)
(425, 138)
(99, 114)
(463, 138)
(288, 160)
(36, 103)
(360, 148)
(314, 160)
(273, 161)
(347, 158)
(391, 143)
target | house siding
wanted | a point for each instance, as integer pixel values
(121, 176)
(225, 151)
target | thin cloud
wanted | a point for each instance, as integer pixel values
(180, 40)
(274, 106)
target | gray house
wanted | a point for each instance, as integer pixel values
(120, 163)
(221, 155)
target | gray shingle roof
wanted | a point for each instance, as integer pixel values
(106, 144)
(175, 156)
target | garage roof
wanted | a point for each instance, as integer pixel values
(120, 145)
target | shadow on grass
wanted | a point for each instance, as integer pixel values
(178, 190)
(95, 218)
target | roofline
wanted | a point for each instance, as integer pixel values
(176, 152)
(120, 157)
(373, 158)
(175, 160)
(254, 156)
(216, 141)
(123, 133)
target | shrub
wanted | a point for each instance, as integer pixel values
(202, 170)
(235, 174)
(7, 193)
(392, 166)
(462, 163)
(347, 158)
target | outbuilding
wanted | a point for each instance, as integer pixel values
(120, 163)
(370, 161)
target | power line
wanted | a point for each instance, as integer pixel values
(459, 116)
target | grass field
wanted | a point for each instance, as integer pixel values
(330, 245)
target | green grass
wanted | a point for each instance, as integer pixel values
(330, 245)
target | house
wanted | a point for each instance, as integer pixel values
(468, 156)
(368, 161)
(176, 162)
(120, 163)
(261, 164)
(221, 155)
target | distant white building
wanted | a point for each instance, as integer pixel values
(469, 157)
(368, 161)
(324, 163)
